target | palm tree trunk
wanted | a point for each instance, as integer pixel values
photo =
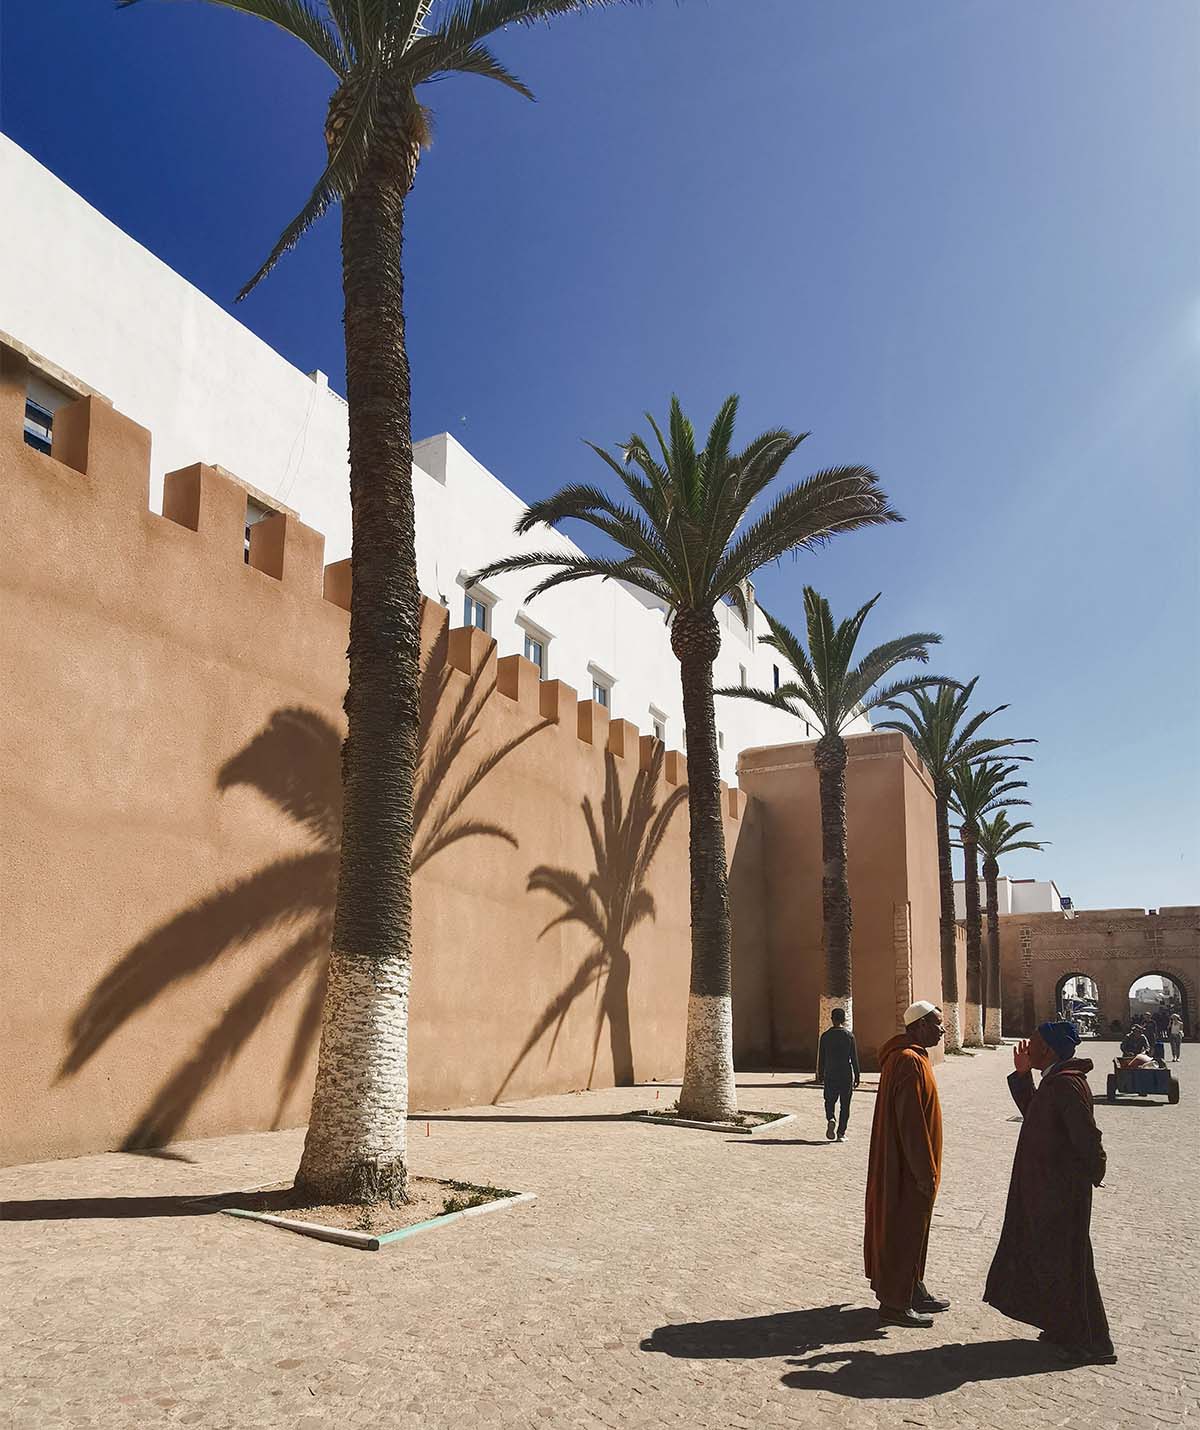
(709, 1092)
(355, 1150)
(947, 923)
(992, 1025)
(836, 913)
(973, 1034)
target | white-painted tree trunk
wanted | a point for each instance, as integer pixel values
(709, 1092)
(950, 1020)
(973, 1032)
(826, 1007)
(357, 1133)
(993, 1034)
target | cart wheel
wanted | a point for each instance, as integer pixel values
(1173, 1091)
(1112, 1088)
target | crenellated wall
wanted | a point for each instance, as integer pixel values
(170, 817)
(169, 808)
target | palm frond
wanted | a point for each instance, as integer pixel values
(478, 59)
(338, 179)
(469, 22)
(568, 568)
(805, 517)
(885, 694)
(298, 18)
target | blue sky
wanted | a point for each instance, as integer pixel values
(956, 239)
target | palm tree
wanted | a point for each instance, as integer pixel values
(997, 837)
(978, 790)
(943, 736)
(685, 540)
(829, 692)
(380, 52)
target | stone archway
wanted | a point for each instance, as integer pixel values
(1089, 987)
(1185, 995)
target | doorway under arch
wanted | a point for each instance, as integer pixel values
(1159, 994)
(1077, 998)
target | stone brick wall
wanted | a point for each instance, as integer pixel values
(1113, 947)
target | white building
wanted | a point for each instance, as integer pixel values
(1013, 896)
(97, 313)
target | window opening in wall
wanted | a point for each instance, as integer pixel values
(775, 672)
(255, 512)
(477, 613)
(742, 675)
(535, 650)
(720, 740)
(600, 693)
(39, 423)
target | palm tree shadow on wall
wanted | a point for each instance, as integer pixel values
(609, 903)
(294, 763)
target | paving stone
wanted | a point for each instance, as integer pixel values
(663, 1278)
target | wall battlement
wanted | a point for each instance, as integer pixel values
(91, 439)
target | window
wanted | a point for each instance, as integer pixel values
(720, 740)
(742, 675)
(775, 669)
(600, 692)
(477, 613)
(535, 650)
(39, 422)
(255, 512)
(660, 730)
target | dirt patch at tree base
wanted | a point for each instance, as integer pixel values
(429, 1198)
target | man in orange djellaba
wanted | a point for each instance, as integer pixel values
(903, 1172)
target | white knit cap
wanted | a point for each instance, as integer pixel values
(916, 1011)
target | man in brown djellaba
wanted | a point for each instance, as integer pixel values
(1043, 1273)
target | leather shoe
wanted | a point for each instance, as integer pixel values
(903, 1316)
(923, 1301)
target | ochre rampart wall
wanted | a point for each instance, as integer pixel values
(170, 815)
(892, 863)
(169, 808)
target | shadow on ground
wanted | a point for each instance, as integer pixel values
(110, 1208)
(921, 1373)
(785, 1333)
(783, 1141)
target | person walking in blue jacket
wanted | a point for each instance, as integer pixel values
(837, 1068)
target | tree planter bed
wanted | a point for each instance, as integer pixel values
(393, 1223)
(768, 1120)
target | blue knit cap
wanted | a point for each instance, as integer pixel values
(1062, 1037)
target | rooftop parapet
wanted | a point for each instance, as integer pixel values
(112, 452)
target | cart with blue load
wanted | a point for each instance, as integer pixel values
(1142, 1082)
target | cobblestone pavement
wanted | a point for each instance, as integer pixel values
(665, 1277)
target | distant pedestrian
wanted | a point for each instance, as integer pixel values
(1175, 1033)
(1043, 1273)
(837, 1069)
(903, 1171)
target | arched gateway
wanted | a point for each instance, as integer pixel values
(1156, 991)
(1114, 948)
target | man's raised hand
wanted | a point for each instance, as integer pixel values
(1021, 1059)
